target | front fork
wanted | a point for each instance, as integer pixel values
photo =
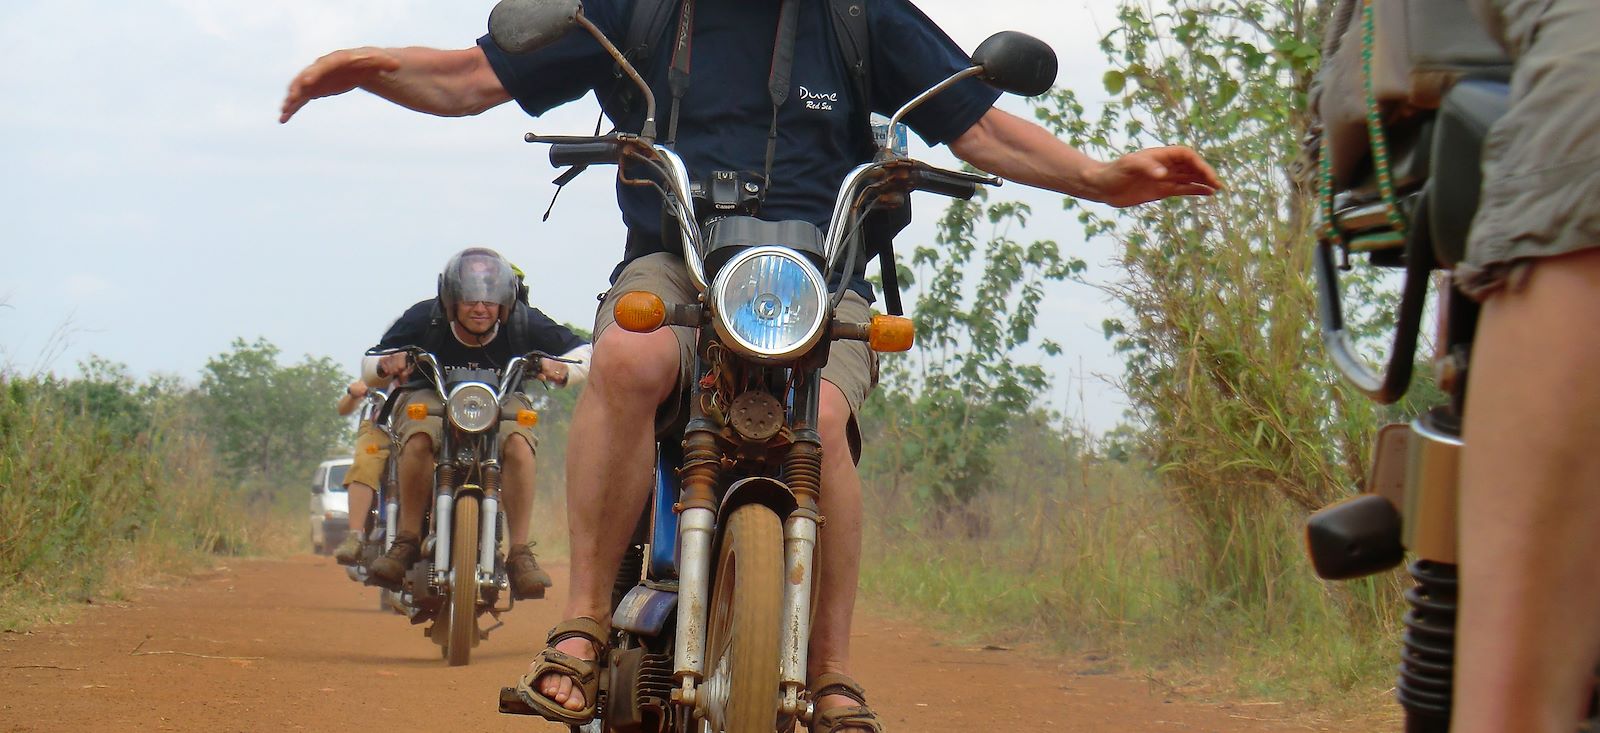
(803, 473)
(702, 469)
(696, 532)
(1414, 482)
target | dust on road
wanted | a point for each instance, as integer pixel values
(292, 644)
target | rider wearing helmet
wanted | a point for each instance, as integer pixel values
(477, 321)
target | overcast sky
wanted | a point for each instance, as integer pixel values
(152, 209)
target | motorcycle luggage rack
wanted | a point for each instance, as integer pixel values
(1417, 257)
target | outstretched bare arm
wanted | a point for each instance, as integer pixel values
(1013, 148)
(439, 82)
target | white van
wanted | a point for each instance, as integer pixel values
(330, 506)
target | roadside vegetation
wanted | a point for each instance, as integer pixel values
(108, 483)
(1172, 542)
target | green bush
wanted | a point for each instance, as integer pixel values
(104, 480)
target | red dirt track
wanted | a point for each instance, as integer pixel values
(264, 645)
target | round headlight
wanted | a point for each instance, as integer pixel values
(473, 407)
(770, 303)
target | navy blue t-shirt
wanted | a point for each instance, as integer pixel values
(724, 118)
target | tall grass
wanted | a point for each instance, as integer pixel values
(1081, 552)
(105, 484)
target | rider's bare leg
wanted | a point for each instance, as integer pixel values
(360, 503)
(1530, 504)
(516, 487)
(416, 481)
(610, 456)
(839, 542)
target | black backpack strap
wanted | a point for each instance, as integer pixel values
(878, 231)
(647, 23)
(438, 326)
(855, 47)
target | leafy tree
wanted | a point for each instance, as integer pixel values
(271, 420)
(945, 405)
(1247, 423)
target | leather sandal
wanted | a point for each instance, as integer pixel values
(845, 717)
(584, 673)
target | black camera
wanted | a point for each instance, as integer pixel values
(727, 193)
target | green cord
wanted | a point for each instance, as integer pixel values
(1396, 234)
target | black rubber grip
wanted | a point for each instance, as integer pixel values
(565, 154)
(946, 184)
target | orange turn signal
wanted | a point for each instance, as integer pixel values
(527, 418)
(890, 333)
(640, 312)
(372, 449)
(416, 411)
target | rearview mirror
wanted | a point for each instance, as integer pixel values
(1015, 62)
(523, 26)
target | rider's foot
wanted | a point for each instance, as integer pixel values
(560, 687)
(349, 551)
(391, 569)
(842, 706)
(528, 580)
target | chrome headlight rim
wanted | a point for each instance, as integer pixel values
(719, 304)
(458, 402)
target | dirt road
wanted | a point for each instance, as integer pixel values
(292, 645)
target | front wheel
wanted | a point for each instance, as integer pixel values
(463, 618)
(742, 672)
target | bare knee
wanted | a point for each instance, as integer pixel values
(629, 365)
(517, 455)
(833, 422)
(418, 448)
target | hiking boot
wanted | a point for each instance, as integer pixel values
(390, 570)
(349, 551)
(528, 580)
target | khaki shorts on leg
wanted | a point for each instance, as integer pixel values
(432, 425)
(372, 455)
(1541, 190)
(852, 367)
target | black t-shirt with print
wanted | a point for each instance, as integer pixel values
(425, 326)
(724, 117)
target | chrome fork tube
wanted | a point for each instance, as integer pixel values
(443, 509)
(391, 521)
(488, 510)
(696, 525)
(799, 550)
(486, 539)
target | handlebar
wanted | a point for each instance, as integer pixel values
(948, 183)
(590, 153)
(892, 174)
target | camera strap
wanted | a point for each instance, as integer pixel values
(778, 76)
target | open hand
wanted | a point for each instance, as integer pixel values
(1153, 174)
(336, 73)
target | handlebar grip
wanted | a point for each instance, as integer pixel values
(946, 184)
(565, 154)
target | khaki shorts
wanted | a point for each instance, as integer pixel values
(432, 425)
(852, 367)
(1541, 190)
(372, 456)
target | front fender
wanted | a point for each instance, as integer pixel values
(763, 490)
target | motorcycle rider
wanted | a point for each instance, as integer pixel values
(476, 322)
(366, 469)
(1529, 633)
(724, 125)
